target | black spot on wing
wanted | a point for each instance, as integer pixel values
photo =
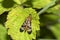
(22, 29)
(29, 31)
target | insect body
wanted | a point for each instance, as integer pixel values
(27, 25)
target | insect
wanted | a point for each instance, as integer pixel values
(27, 25)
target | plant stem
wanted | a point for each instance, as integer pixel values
(45, 8)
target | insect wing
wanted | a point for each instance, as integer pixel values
(29, 31)
(21, 29)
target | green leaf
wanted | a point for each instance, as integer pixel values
(16, 18)
(19, 1)
(3, 32)
(40, 3)
(6, 5)
(55, 9)
(56, 30)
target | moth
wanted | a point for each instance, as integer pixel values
(27, 25)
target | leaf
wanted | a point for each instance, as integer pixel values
(54, 10)
(16, 18)
(40, 3)
(56, 30)
(19, 1)
(6, 5)
(3, 32)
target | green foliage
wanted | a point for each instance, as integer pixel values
(40, 3)
(3, 33)
(45, 21)
(56, 30)
(19, 1)
(6, 5)
(52, 20)
(48, 18)
(55, 9)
